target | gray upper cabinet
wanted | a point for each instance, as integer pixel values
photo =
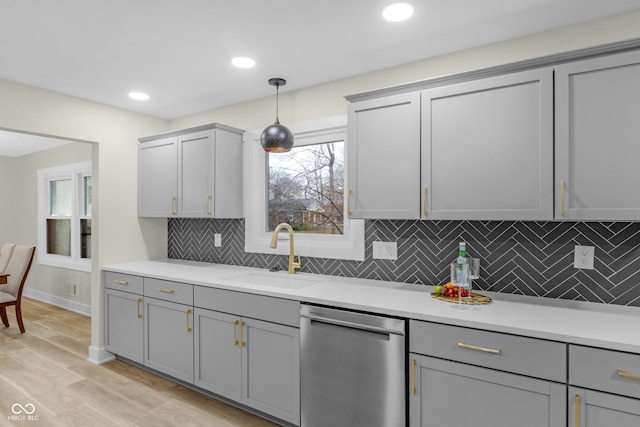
(157, 178)
(383, 158)
(597, 138)
(487, 148)
(192, 173)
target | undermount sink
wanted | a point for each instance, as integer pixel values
(278, 280)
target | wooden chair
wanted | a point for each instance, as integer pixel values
(11, 293)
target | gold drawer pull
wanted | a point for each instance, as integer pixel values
(475, 347)
(349, 203)
(208, 205)
(413, 376)
(562, 210)
(139, 302)
(188, 313)
(173, 206)
(121, 282)
(424, 202)
(235, 326)
(166, 291)
(626, 374)
(242, 325)
(577, 411)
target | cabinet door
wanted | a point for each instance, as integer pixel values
(594, 409)
(218, 353)
(487, 149)
(444, 393)
(157, 178)
(383, 158)
(124, 324)
(597, 128)
(195, 169)
(271, 369)
(168, 338)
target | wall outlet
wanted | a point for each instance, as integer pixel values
(72, 289)
(217, 240)
(583, 257)
(385, 250)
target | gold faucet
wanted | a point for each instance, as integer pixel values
(293, 264)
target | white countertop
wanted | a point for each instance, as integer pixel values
(598, 325)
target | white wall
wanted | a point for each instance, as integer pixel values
(121, 236)
(44, 282)
(7, 194)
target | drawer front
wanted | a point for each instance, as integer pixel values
(510, 353)
(605, 370)
(123, 282)
(181, 293)
(270, 309)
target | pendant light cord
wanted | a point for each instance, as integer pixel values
(277, 103)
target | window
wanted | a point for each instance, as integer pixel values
(64, 216)
(304, 188)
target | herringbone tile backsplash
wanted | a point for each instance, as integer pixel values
(528, 258)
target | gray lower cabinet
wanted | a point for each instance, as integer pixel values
(604, 388)
(124, 324)
(168, 338)
(462, 376)
(123, 306)
(445, 393)
(588, 408)
(250, 361)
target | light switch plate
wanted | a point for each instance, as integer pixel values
(385, 250)
(217, 240)
(583, 257)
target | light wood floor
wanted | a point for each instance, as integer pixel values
(47, 368)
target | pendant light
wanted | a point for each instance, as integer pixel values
(277, 138)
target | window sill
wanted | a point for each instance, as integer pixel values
(64, 262)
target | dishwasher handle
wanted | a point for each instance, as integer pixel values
(352, 325)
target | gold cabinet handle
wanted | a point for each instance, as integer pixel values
(166, 291)
(349, 203)
(121, 282)
(413, 376)
(562, 211)
(209, 205)
(424, 201)
(235, 326)
(242, 325)
(139, 302)
(173, 206)
(577, 411)
(188, 328)
(476, 348)
(626, 374)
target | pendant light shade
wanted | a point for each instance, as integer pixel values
(277, 138)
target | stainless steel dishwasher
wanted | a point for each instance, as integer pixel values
(352, 368)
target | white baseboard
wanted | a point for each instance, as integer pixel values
(58, 301)
(99, 355)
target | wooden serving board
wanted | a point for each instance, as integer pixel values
(477, 299)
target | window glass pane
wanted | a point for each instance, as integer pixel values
(86, 187)
(306, 188)
(85, 238)
(59, 236)
(61, 193)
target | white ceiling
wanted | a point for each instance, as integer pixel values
(17, 144)
(179, 51)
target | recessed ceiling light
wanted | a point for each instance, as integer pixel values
(243, 62)
(398, 12)
(138, 96)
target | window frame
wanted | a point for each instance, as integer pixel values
(76, 172)
(348, 246)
